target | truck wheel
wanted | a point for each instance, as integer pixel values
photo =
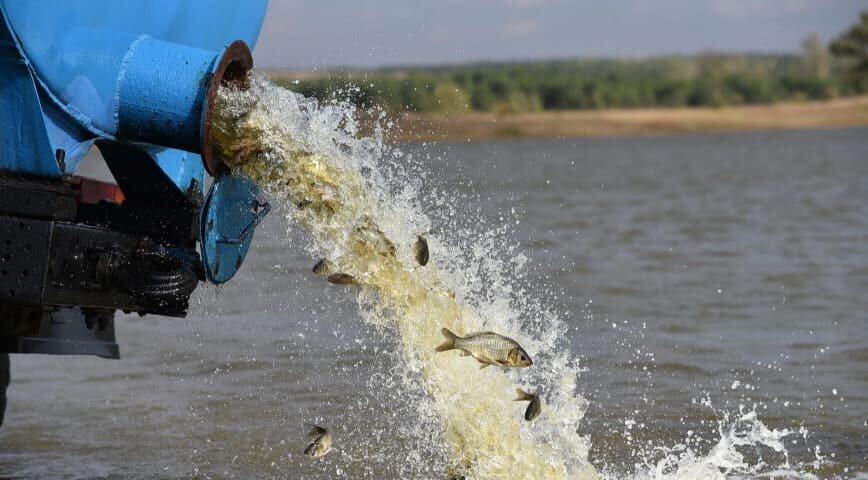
(4, 383)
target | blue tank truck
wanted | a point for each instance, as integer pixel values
(137, 80)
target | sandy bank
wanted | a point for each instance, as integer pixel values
(848, 112)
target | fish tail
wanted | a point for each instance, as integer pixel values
(315, 430)
(522, 395)
(449, 344)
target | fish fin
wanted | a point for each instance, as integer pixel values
(465, 353)
(502, 363)
(315, 430)
(449, 344)
(522, 396)
(484, 365)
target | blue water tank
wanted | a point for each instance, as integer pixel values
(129, 70)
(139, 72)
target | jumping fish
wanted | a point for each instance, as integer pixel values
(534, 408)
(323, 267)
(421, 250)
(369, 234)
(342, 279)
(488, 348)
(321, 444)
(326, 269)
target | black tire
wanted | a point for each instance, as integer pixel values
(4, 383)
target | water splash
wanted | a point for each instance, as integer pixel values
(363, 212)
(745, 449)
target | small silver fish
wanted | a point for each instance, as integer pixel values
(370, 235)
(343, 279)
(321, 444)
(421, 250)
(323, 267)
(534, 408)
(488, 347)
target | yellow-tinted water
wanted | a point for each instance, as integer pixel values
(267, 135)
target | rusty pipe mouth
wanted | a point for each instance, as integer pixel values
(233, 70)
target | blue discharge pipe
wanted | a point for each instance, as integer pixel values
(165, 93)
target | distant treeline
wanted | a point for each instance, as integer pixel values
(708, 80)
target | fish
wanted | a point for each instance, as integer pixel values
(323, 267)
(369, 235)
(488, 348)
(421, 250)
(534, 408)
(343, 279)
(326, 269)
(321, 444)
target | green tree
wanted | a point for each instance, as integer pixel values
(853, 46)
(704, 80)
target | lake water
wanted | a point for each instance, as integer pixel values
(700, 275)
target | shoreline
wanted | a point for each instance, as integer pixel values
(837, 113)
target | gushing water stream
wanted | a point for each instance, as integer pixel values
(310, 160)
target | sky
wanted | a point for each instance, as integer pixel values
(309, 35)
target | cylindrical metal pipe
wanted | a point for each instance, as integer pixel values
(165, 90)
(160, 93)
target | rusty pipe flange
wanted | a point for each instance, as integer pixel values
(232, 70)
